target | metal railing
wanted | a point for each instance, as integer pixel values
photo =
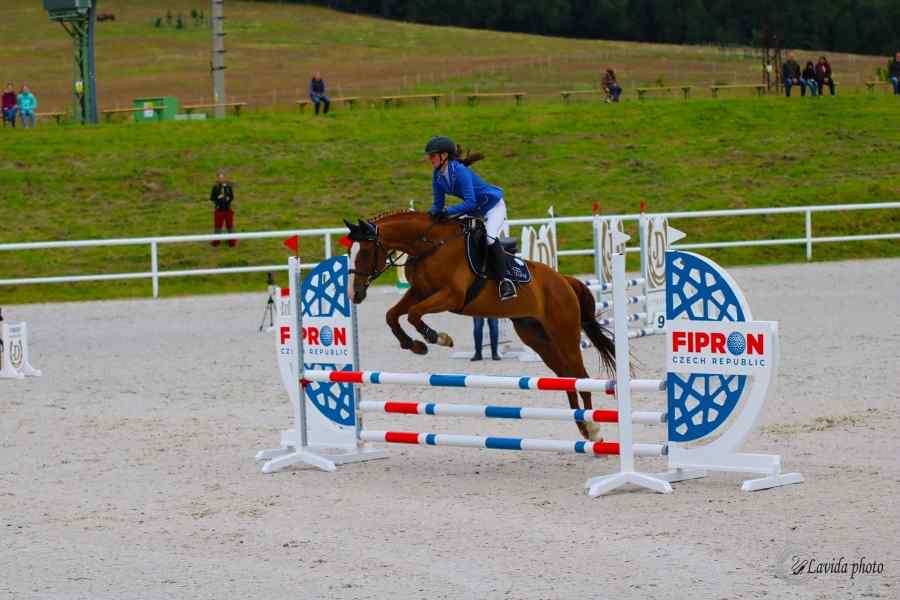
(327, 235)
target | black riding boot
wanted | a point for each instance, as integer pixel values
(498, 266)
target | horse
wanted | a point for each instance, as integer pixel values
(548, 313)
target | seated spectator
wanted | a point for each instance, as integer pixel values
(27, 105)
(823, 76)
(317, 93)
(10, 106)
(808, 79)
(790, 74)
(611, 86)
(893, 74)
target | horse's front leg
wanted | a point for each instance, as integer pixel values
(393, 320)
(438, 302)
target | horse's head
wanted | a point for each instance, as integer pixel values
(368, 257)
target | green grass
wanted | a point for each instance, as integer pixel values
(299, 171)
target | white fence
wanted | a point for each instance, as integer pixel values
(327, 236)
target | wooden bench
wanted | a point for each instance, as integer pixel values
(567, 93)
(473, 98)
(759, 87)
(685, 90)
(109, 112)
(348, 100)
(237, 106)
(870, 85)
(388, 100)
(56, 115)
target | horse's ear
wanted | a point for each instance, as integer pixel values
(368, 229)
(356, 234)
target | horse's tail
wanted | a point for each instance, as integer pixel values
(599, 336)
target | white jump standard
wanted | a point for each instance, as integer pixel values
(14, 357)
(711, 409)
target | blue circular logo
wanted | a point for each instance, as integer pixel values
(326, 337)
(736, 343)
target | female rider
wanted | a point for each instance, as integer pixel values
(480, 199)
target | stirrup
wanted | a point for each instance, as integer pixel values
(509, 284)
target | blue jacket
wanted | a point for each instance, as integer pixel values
(478, 197)
(27, 103)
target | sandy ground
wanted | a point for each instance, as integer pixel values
(127, 470)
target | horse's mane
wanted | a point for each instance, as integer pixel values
(392, 213)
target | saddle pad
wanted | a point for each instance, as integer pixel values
(516, 269)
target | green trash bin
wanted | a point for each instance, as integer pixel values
(160, 108)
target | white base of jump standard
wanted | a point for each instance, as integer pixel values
(324, 457)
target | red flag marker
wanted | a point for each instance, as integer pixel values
(345, 242)
(596, 208)
(643, 206)
(293, 243)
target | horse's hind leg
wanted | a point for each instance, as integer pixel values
(533, 333)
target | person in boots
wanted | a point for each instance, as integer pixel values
(478, 334)
(451, 175)
(222, 195)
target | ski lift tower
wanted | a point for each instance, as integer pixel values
(77, 17)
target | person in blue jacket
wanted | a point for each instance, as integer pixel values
(480, 199)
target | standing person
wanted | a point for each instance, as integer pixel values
(10, 105)
(478, 334)
(317, 93)
(27, 105)
(222, 196)
(808, 79)
(823, 76)
(790, 74)
(894, 73)
(451, 175)
(611, 86)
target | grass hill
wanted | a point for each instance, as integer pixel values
(295, 170)
(273, 48)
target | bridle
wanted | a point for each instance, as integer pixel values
(392, 257)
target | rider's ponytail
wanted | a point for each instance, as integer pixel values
(470, 157)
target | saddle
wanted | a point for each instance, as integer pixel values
(476, 255)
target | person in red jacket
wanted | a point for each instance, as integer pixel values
(10, 105)
(823, 75)
(222, 195)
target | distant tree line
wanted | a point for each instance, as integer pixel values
(862, 26)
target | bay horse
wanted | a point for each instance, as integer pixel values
(548, 314)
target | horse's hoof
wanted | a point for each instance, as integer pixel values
(592, 432)
(445, 340)
(419, 347)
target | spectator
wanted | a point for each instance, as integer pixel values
(317, 93)
(893, 74)
(790, 74)
(478, 334)
(10, 106)
(27, 105)
(808, 79)
(823, 76)
(222, 196)
(611, 86)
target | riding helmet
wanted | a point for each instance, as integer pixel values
(440, 143)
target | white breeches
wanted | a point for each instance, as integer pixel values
(494, 220)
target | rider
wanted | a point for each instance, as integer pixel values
(480, 199)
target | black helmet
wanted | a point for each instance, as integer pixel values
(439, 144)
